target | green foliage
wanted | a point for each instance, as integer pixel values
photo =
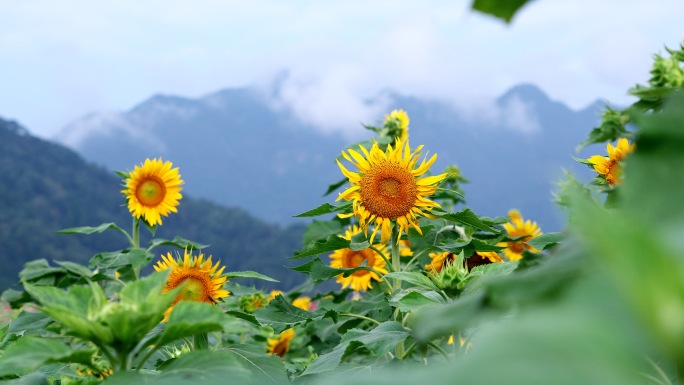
(503, 9)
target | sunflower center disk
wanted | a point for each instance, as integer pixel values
(388, 190)
(151, 192)
(194, 290)
(517, 247)
(355, 259)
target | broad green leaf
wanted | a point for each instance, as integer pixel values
(29, 352)
(245, 316)
(320, 230)
(90, 230)
(503, 9)
(335, 186)
(265, 368)
(39, 268)
(75, 268)
(29, 322)
(118, 259)
(35, 378)
(190, 318)
(280, 314)
(331, 243)
(378, 341)
(466, 217)
(325, 208)
(248, 274)
(178, 242)
(409, 300)
(546, 241)
(414, 278)
(319, 271)
(433, 321)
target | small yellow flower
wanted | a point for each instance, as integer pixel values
(401, 120)
(273, 294)
(610, 166)
(388, 187)
(281, 345)
(360, 280)
(203, 280)
(153, 190)
(302, 302)
(517, 228)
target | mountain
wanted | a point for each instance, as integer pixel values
(235, 148)
(45, 187)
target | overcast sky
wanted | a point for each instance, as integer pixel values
(62, 59)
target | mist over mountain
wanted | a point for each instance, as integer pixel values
(240, 148)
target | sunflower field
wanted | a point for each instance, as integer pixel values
(426, 290)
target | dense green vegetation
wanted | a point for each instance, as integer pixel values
(45, 187)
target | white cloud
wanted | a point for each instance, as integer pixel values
(62, 60)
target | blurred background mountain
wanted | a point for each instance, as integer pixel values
(250, 166)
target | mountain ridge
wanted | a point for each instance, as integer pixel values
(266, 161)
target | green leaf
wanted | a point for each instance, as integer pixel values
(331, 243)
(320, 230)
(178, 242)
(325, 208)
(433, 321)
(90, 230)
(29, 322)
(188, 319)
(378, 341)
(35, 378)
(503, 9)
(280, 314)
(265, 368)
(335, 186)
(466, 217)
(414, 278)
(413, 299)
(75, 268)
(118, 259)
(245, 316)
(319, 271)
(29, 352)
(249, 274)
(546, 241)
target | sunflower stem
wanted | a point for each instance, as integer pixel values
(359, 316)
(201, 341)
(135, 244)
(396, 266)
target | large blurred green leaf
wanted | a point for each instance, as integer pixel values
(265, 368)
(188, 319)
(503, 9)
(28, 353)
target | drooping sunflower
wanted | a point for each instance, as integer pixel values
(203, 281)
(281, 345)
(398, 120)
(360, 280)
(153, 190)
(388, 186)
(516, 228)
(610, 166)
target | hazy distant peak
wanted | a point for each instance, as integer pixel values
(525, 91)
(13, 127)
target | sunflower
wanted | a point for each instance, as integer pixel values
(439, 260)
(517, 228)
(202, 280)
(387, 187)
(281, 345)
(153, 190)
(398, 123)
(360, 280)
(610, 166)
